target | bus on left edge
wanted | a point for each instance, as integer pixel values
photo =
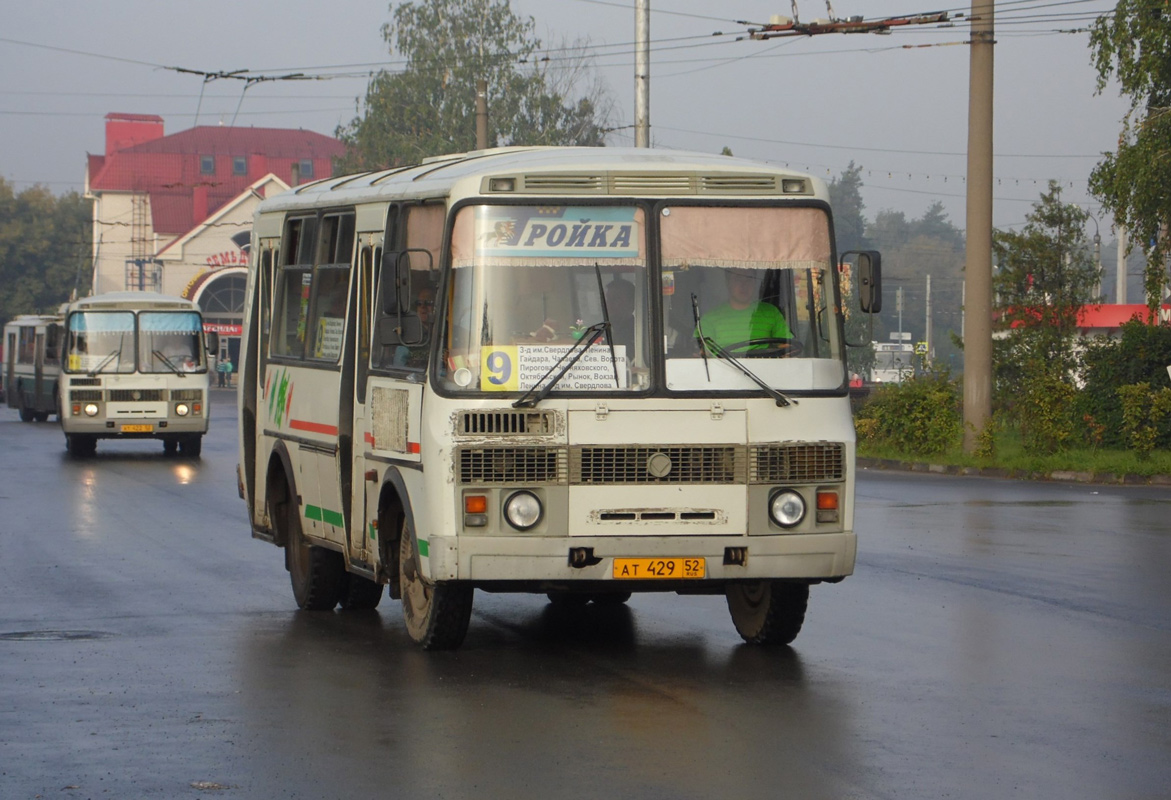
(32, 365)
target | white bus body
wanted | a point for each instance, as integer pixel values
(894, 362)
(398, 422)
(135, 367)
(32, 365)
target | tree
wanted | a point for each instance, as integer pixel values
(45, 245)
(429, 108)
(1132, 44)
(1046, 275)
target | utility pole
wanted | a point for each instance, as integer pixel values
(1120, 279)
(978, 256)
(481, 115)
(642, 73)
(927, 338)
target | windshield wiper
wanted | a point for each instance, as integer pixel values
(705, 342)
(570, 357)
(116, 354)
(161, 357)
(723, 354)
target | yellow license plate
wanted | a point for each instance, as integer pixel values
(658, 568)
(138, 428)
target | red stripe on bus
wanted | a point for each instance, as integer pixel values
(313, 427)
(370, 438)
(413, 447)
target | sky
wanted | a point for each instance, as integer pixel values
(896, 105)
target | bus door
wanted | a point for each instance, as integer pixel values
(362, 497)
(405, 294)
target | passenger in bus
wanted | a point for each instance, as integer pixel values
(743, 317)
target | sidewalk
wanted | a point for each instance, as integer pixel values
(1067, 476)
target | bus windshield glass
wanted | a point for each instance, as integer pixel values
(531, 283)
(101, 341)
(170, 341)
(750, 284)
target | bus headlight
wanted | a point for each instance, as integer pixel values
(91, 409)
(786, 507)
(182, 409)
(522, 510)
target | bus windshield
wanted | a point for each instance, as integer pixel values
(750, 284)
(101, 341)
(111, 342)
(170, 341)
(527, 284)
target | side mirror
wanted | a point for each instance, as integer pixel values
(394, 285)
(869, 280)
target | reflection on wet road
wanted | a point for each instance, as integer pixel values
(998, 639)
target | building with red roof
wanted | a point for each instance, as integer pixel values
(173, 214)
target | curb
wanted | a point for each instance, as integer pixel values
(1060, 476)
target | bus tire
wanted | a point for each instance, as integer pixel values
(436, 614)
(81, 445)
(361, 594)
(191, 446)
(610, 598)
(767, 612)
(318, 575)
(26, 413)
(562, 599)
(170, 446)
(41, 416)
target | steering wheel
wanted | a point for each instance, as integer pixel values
(765, 347)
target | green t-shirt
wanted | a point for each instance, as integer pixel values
(727, 325)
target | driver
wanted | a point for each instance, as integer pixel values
(743, 317)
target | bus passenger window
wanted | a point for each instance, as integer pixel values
(292, 312)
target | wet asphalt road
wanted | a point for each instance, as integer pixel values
(998, 640)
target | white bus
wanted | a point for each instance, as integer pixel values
(482, 372)
(894, 362)
(135, 367)
(32, 365)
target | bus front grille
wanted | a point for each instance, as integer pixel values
(505, 423)
(85, 395)
(797, 463)
(523, 465)
(711, 464)
(136, 395)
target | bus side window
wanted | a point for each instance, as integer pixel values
(293, 289)
(331, 286)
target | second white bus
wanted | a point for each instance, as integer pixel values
(32, 365)
(135, 367)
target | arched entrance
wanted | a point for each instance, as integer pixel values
(220, 295)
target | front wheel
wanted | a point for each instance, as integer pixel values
(436, 614)
(768, 612)
(81, 445)
(191, 446)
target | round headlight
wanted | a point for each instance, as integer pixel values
(786, 508)
(91, 409)
(182, 410)
(522, 510)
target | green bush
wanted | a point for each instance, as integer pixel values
(1047, 414)
(1141, 355)
(1143, 413)
(920, 416)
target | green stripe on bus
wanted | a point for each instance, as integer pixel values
(324, 515)
(424, 550)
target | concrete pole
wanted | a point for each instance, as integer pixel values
(481, 115)
(978, 256)
(642, 73)
(927, 338)
(1120, 279)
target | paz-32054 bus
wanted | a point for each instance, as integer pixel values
(32, 364)
(582, 372)
(135, 367)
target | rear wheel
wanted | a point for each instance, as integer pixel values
(611, 598)
(27, 414)
(568, 599)
(41, 416)
(318, 575)
(436, 614)
(170, 446)
(768, 612)
(361, 594)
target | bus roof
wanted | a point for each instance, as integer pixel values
(132, 300)
(545, 171)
